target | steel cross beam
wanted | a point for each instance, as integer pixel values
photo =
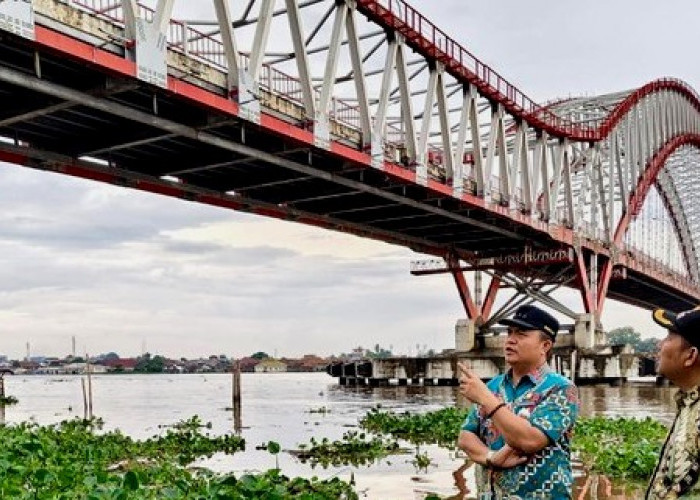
(635, 203)
(32, 83)
(43, 160)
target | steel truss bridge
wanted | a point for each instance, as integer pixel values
(362, 116)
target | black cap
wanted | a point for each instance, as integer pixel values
(686, 323)
(533, 318)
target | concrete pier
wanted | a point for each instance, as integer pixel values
(597, 364)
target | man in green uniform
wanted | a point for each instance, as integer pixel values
(676, 474)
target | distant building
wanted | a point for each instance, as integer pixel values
(308, 363)
(270, 366)
(69, 369)
(248, 364)
(120, 364)
(173, 366)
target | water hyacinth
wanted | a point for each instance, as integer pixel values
(75, 460)
(623, 448)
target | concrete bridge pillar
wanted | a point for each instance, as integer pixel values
(465, 335)
(584, 331)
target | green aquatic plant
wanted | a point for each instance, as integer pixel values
(421, 461)
(75, 460)
(354, 448)
(619, 447)
(8, 400)
(322, 410)
(436, 427)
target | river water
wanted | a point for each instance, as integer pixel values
(278, 407)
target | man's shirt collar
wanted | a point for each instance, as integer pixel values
(535, 376)
(687, 398)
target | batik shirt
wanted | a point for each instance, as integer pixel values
(676, 475)
(550, 403)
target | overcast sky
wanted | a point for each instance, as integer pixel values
(121, 269)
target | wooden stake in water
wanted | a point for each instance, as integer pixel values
(89, 381)
(236, 394)
(85, 404)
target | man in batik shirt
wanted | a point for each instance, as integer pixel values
(519, 429)
(676, 474)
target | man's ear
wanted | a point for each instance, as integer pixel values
(692, 357)
(550, 343)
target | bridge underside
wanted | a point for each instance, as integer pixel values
(251, 165)
(637, 289)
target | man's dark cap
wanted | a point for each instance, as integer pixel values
(686, 323)
(533, 318)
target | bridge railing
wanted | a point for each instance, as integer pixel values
(492, 84)
(209, 49)
(651, 264)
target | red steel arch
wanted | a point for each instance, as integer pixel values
(671, 84)
(434, 44)
(636, 202)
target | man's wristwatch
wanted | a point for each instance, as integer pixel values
(489, 457)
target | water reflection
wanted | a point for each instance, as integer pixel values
(431, 394)
(237, 422)
(598, 487)
(639, 401)
(461, 482)
(632, 400)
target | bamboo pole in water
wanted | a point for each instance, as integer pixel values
(89, 381)
(85, 405)
(236, 394)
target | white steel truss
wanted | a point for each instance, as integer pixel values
(330, 66)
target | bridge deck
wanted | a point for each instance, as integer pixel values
(88, 116)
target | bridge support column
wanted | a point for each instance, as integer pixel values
(465, 335)
(584, 331)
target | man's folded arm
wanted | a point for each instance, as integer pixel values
(473, 446)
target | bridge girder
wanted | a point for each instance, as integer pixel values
(572, 172)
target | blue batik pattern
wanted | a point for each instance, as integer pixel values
(549, 402)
